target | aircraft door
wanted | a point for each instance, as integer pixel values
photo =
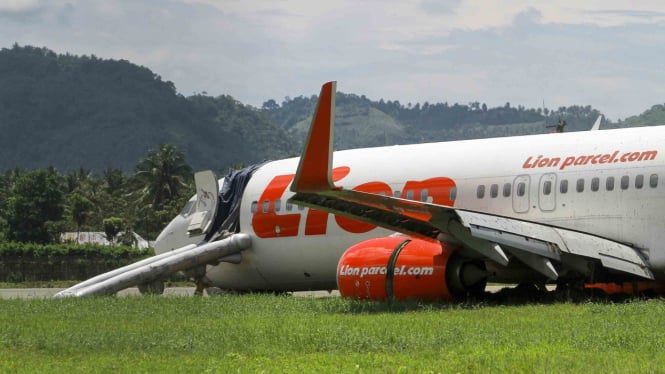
(207, 193)
(521, 194)
(547, 192)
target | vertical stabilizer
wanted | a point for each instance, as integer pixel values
(314, 170)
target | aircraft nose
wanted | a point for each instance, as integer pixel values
(173, 236)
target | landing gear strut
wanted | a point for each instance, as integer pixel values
(152, 288)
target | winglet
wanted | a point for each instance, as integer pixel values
(596, 124)
(314, 170)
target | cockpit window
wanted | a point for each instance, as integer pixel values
(187, 209)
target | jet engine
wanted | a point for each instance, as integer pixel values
(402, 268)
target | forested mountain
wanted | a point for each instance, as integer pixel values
(69, 112)
(81, 111)
(651, 117)
(363, 122)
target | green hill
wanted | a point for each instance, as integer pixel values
(655, 116)
(69, 112)
(81, 111)
(358, 124)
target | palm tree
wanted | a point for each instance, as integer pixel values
(163, 174)
(79, 209)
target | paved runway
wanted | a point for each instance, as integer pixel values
(45, 293)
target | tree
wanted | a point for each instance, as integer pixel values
(163, 174)
(37, 201)
(7, 183)
(112, 226)
(270, 105)
(74, 180)
(79, 209)
(114, 180)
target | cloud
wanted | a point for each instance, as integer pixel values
(593, 52)
(19, 5)
(527, 17)
(21, 10)
(623, 16)
(436, 6)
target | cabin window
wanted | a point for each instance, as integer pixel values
(453, 194)
(563, 186)
(595, 184)
(278, 205)
(580, 185)
(494, 190)
(409, 194)
(625, 182)
(639, 181)
(301, 207)
(521, 189)
(506, 190)
(424, 194)
(255, 206)
(609, 183)
(266, 206)
(653, 181)
(289, 206)
(547, 188)
(481, 191)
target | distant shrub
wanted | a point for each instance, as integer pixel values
(26, 262)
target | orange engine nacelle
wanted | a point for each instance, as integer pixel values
(394, 268)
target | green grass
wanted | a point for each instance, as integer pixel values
(265, 333)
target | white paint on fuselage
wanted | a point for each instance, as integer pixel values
(630, 215)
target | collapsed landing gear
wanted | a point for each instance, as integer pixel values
(572, 290)
(152, 288)
(200, 287)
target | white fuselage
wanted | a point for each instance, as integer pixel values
(608, 183)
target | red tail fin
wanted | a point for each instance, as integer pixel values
(314, 170)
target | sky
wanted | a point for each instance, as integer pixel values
(609, 54)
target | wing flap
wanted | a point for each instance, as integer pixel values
(612, 255)
(529, 244)
(550, 241)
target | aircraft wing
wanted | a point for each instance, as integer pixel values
(533, 243)
(490, 235)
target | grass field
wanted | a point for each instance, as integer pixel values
(266, 333)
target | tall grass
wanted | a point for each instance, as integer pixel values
(265, 333)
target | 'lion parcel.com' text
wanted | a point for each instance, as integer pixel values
(347, 270)
(540, 161)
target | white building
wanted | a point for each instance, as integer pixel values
(98, 237)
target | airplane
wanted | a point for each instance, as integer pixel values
(433, 221)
